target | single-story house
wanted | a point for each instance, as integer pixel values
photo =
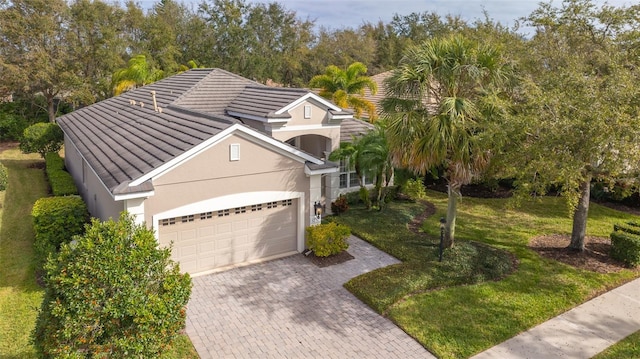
(228, 170)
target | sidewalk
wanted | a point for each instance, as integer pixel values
(580, 333)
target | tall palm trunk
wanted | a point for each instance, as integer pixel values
(580, 214)
(452, 204)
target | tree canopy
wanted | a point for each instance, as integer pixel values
(346, 88)
(442, 103)
(578, 118)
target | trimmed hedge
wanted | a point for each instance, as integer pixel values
(60, 180)
(327, 239)
(625, 244)
(55, 221)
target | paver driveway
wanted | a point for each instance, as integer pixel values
(290, 308)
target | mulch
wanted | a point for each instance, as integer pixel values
(330, 260)
(595, 257)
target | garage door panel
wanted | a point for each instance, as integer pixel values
(206, 241)
(207, 231)
(224, 228)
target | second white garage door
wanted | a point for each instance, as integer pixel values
(210, 240)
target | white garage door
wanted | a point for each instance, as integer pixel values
(209, 240)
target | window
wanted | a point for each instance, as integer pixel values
(256, 207)
(234, 152)
(240, 210)
(286, 202)
(223, 213)
(206, 215)
(272, 205)
(189, 218)
(168, 222)
(349, 178)
(307, 111)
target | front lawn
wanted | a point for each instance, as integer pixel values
(456, 321)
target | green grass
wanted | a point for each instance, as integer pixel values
(20, 295)
(629, 347)
(456, 321)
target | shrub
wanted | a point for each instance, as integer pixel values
(42, 138)
(415, 189)
(327, 239)
(11, 127)
(627, 228)
(111, 294)
(4, 177)
(55, 221)
(353, 198)
(625, 247)
(365, 197)
(340, 205)
(60, 180)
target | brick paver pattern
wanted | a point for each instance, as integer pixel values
(290, 308)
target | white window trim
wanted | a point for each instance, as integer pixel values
(234, 152)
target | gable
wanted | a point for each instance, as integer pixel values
(216, 162)
(317, 114)
(235, 130)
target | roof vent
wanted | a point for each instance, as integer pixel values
(141, 104)
(155, 104)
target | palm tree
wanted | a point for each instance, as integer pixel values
(346, 88)
(352, 152)
(439, 103)
(137, 73)
(376, 160)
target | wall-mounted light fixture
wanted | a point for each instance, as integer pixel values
(317, 208)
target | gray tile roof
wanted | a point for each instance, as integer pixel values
(353, 127)
(124, 138)
(264, 101)
(122, 141)
(214, 92)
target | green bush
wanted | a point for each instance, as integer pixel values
(627, 228)
(340, 205)
(4, 177)
(55, 221)
(42, 138)
(625, 247)
(415, 189)
(11, 127)
(365, 196)
(327, 239)
(111, 294)
(60, 180)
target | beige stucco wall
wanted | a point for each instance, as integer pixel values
(99, 201)
(211, 174)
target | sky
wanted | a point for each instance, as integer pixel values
(336, 14)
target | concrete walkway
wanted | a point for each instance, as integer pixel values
(580, 333)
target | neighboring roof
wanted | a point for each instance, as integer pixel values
(380, 94)
(353, 128)
(124, 138)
